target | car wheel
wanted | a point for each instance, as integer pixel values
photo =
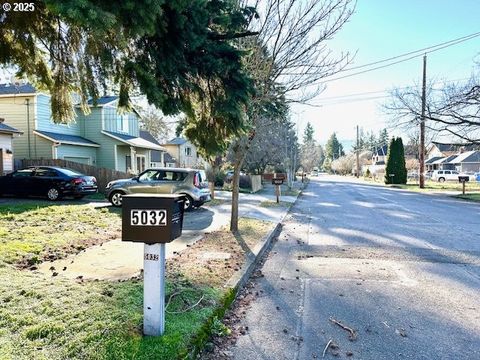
(53, 194)
(441, 179)
(116, 198)
(188, 205)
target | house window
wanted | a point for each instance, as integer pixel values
(188, 151)
(122, 123)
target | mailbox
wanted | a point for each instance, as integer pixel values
(277, 181)
(463, 179)
(152, 218)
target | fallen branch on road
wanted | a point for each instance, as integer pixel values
(353, 333)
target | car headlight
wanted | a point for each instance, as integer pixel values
(109, 185)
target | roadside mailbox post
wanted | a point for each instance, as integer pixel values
(277, 183)
(154, 220)
(463, 180)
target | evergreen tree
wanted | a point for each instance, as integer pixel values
(395, 169)
(383, 137)
(333, 148)
(308, 134)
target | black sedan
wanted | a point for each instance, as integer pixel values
(52, 182)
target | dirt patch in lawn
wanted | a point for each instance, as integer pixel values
(218, 255)
(34, 232)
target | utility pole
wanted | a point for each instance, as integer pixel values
(422, 127)
(358, 153)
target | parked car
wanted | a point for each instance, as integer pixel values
(50, 181)
(413, 175)
(477, 176)
(449, 175)
(191, 183)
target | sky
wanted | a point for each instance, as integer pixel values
(381, 29)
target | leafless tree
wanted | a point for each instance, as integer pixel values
(452, 110)
(288, 60)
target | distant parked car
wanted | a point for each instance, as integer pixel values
(413, 175)
(445, 175)
(191, 183)
(314, 173)
(49, 181)
(477, 176)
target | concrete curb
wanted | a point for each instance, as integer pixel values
(240, 278)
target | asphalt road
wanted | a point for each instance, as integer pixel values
(399, 269)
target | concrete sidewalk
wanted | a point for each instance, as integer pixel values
(115, 259)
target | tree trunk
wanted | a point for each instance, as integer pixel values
(211, 186)
(240, 153)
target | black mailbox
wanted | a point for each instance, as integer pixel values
(277, 181)
(152, 218)
(463, 179)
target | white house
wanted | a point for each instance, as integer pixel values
(6, 149)
(184, 153)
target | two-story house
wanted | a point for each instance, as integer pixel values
(103, 138)
(184, 153)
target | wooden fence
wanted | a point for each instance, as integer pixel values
(103, 175)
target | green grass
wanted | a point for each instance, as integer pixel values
(469, 197)
(269, 204)
(434, 186)
(44, 318)
(31, 231)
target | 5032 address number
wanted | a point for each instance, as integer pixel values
(140, 217)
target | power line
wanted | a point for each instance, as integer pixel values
(422, 51)
(435, 48)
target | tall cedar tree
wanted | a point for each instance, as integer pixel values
(395, 169)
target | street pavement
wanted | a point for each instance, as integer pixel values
(116, 259)
(400, 270)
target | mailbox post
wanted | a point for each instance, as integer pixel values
(154, 220)
(463, 180)
(277, 183)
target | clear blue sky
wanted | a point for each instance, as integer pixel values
(384, 28)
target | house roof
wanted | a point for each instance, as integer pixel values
(168, 158)
(156, 156)
(460, 158)
(381, 151)
(4, 128)
(104, 100)
(11, 89)
(455, 147)
(133, 141)
(144, 134)
(434, 159)
(177, 141)
(65, 139)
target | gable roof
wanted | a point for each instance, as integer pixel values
(144, 134)
(443, 147)
(133, 140)
(11, 89)
(177, 141)
(381, 151)
(65, 139)
(6, 129)
(104, 100)
(460, 158)
(434, 159)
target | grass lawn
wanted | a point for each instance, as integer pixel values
(270, 203)
(34, 231)
(434, 186)
(470, 197)
(43, 317)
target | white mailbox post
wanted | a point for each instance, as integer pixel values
(154, 220)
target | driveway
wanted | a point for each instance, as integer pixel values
(372, 272)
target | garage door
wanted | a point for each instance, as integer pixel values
(81, 160)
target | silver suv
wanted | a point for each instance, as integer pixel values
(189, 182)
